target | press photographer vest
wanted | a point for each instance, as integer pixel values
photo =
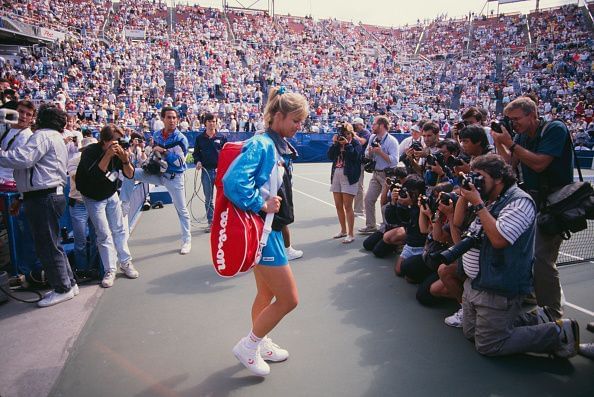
(507, 271)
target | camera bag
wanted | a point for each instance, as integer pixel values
(237, 237)
(566, 210)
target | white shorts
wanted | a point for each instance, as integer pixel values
(340, 183)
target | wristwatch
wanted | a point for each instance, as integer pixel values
(478, 207)
(512, 147)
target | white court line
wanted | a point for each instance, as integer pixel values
(579, 308)
(574, 306)
(312, 180)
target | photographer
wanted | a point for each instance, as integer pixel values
(97, 180)
(17, 136)
(170, 146)
(345, 154)
(362, 135)
(474, 143)
(383, 150)
(403, 209)
(499, 268)
(436, 213)
(543, 152)
(375, 242)
(440, 164)
(206, 157)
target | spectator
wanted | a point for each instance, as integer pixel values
(362, 135)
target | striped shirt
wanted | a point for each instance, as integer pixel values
(513, 220)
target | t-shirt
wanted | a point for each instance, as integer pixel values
(90, 180)
(554, 142)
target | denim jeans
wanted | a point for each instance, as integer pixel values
(208, 178)
(176, 189)
(112, 238)
(43, 214)
(80, 220)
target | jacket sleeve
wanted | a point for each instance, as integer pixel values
(352, 152)
(392, 216)
(26, 156)
(197, 155)
(247, 173)
(173, 157)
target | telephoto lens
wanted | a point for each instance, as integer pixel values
(403, 193)
(469, 240)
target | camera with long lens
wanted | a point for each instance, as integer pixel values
(505, 122)
(472, 177)
(8, 119)
(469, 240)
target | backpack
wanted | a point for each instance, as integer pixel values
(237, 237)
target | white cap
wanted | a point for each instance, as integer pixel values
(358, 120)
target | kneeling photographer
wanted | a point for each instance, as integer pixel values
(436, 214)
(498, 263)
(375, 242)
(403, 209)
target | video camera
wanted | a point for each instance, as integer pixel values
(472, 177)
(8, 119)
(504, 122)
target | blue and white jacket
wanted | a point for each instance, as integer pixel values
(177, 149)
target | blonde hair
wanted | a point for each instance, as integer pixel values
(285, 102)
(526, 104)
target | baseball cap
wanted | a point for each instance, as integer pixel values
(415, 127)
(358, 120)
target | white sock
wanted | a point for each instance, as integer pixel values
(252, 341)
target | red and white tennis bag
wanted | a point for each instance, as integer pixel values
(237, 237)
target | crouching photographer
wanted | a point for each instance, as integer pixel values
(381, 248)
(435, 217)
(403, 209)
(498, 263)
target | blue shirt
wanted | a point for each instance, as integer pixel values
(177, 149)
(389, 146)
(206, 150)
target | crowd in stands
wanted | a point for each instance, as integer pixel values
(224, 63)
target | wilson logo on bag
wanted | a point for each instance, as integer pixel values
(236, 234)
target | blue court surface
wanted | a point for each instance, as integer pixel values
(358, 330)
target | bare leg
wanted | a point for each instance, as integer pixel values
(286, 236)
(347, 202)
(338, 203)
(279, 281)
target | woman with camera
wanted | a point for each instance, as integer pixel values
(345, 154)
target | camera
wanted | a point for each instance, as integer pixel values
(434, 159)
(374, 143)
(504, 122)
(469, 240)
(124, 143)
(448, 198)
(457, 161)
(8, 119)
(403, 193)
(416, 146)
(475, 178)
(393, 184)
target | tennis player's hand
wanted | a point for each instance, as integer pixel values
(272, 205)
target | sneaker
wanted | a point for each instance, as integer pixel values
(208, 228)
(108, 280)
(270, 351)
(455, 320)
(543, 315)
(185, 248)
(129, 270)
(570, 338)
(53, 298)
(293, 254)
(251, 359)
(368, 230)
(75, 289)
(587, 350)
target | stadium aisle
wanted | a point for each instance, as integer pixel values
(358, 330)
